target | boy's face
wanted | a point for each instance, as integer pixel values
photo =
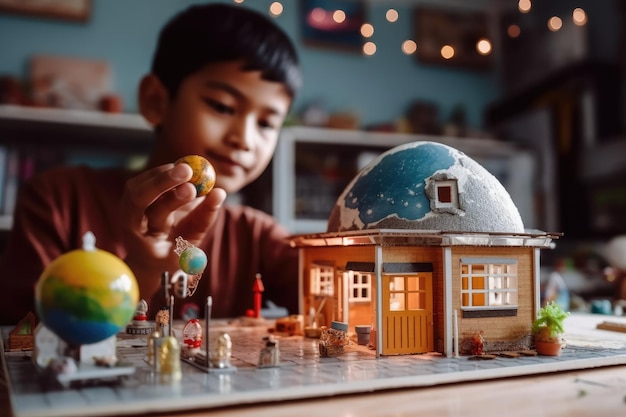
(229, 116)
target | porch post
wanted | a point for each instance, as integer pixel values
(447, 303)
(378, 265)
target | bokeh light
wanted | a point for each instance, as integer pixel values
(367, 30)
(409, 47)
(524, 6)
(513, 31)
(276, 8)
(579, 16)
(555, 23)
(483, 46)
(392, 15)
(447, 52)
(369, 48)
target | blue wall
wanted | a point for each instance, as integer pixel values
(378, 88)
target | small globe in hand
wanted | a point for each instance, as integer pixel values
(192, 261)
(203, 177)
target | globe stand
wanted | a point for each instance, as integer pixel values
(71, 364)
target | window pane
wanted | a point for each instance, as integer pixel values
(478, 300)
(396, 302)
(416, 301)
(396, 284)
(413, 283)
(444, 193)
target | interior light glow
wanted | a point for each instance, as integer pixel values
(369, 48)
(513, 31)
(524, 6)
(409, 47)
(367, 30)
(238, 1)
(483, 46)
(276, 8)
(339, 16)
(579, 16)
(555, 23)
(392, 15)
(447, 52)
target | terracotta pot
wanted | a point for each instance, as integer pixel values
(548, 348)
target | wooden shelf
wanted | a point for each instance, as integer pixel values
(73, 127)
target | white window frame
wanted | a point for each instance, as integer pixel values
(322, 280)
(359, 286)
(454, 194)
(501, 282)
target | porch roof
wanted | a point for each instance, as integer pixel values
(405, 237)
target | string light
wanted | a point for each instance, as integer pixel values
(513, 31)
(447, 52)
(367, 30)
(555, 23)
(524, 6)
(392, 15)
(339, 16)
(579, 16)
(483, 46)
(276, 8)
(409, 47)
(369, 48)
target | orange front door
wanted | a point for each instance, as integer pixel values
(407, 313)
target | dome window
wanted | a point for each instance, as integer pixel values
(446, 194)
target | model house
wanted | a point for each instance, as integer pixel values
(427, 247)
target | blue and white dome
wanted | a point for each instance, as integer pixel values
(425, 186)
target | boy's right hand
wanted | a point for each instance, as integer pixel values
(157, 206)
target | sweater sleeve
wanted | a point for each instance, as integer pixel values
(35, 240)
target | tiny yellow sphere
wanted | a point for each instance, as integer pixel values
(203, 177)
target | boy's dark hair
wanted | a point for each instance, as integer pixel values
(203, 34)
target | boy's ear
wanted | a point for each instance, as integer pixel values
(153, 98)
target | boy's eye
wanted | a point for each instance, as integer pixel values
(266, 124)
(219, 106)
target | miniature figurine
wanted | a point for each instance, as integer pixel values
(192, 338)
(220, 357)
(270, 354)
(169, 360)
(257, 290)
(140, 323)
(162, 321)
(151, 347)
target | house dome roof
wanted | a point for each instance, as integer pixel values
(427, 186)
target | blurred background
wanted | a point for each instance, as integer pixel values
(542, 77)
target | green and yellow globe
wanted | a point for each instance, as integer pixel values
(86, 296)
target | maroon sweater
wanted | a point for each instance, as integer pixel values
(56, 208)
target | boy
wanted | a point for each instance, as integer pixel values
(222, 81)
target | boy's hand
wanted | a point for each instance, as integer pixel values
(157, 206)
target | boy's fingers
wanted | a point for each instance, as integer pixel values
(195, 225)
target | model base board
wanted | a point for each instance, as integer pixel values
(301, 374)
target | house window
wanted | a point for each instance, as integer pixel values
(407, 293)
(360, 286)
(488, 283)
(322, 280)
(446, 194)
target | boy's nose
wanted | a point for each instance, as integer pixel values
(241, 134)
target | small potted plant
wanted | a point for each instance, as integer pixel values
(548, 328)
